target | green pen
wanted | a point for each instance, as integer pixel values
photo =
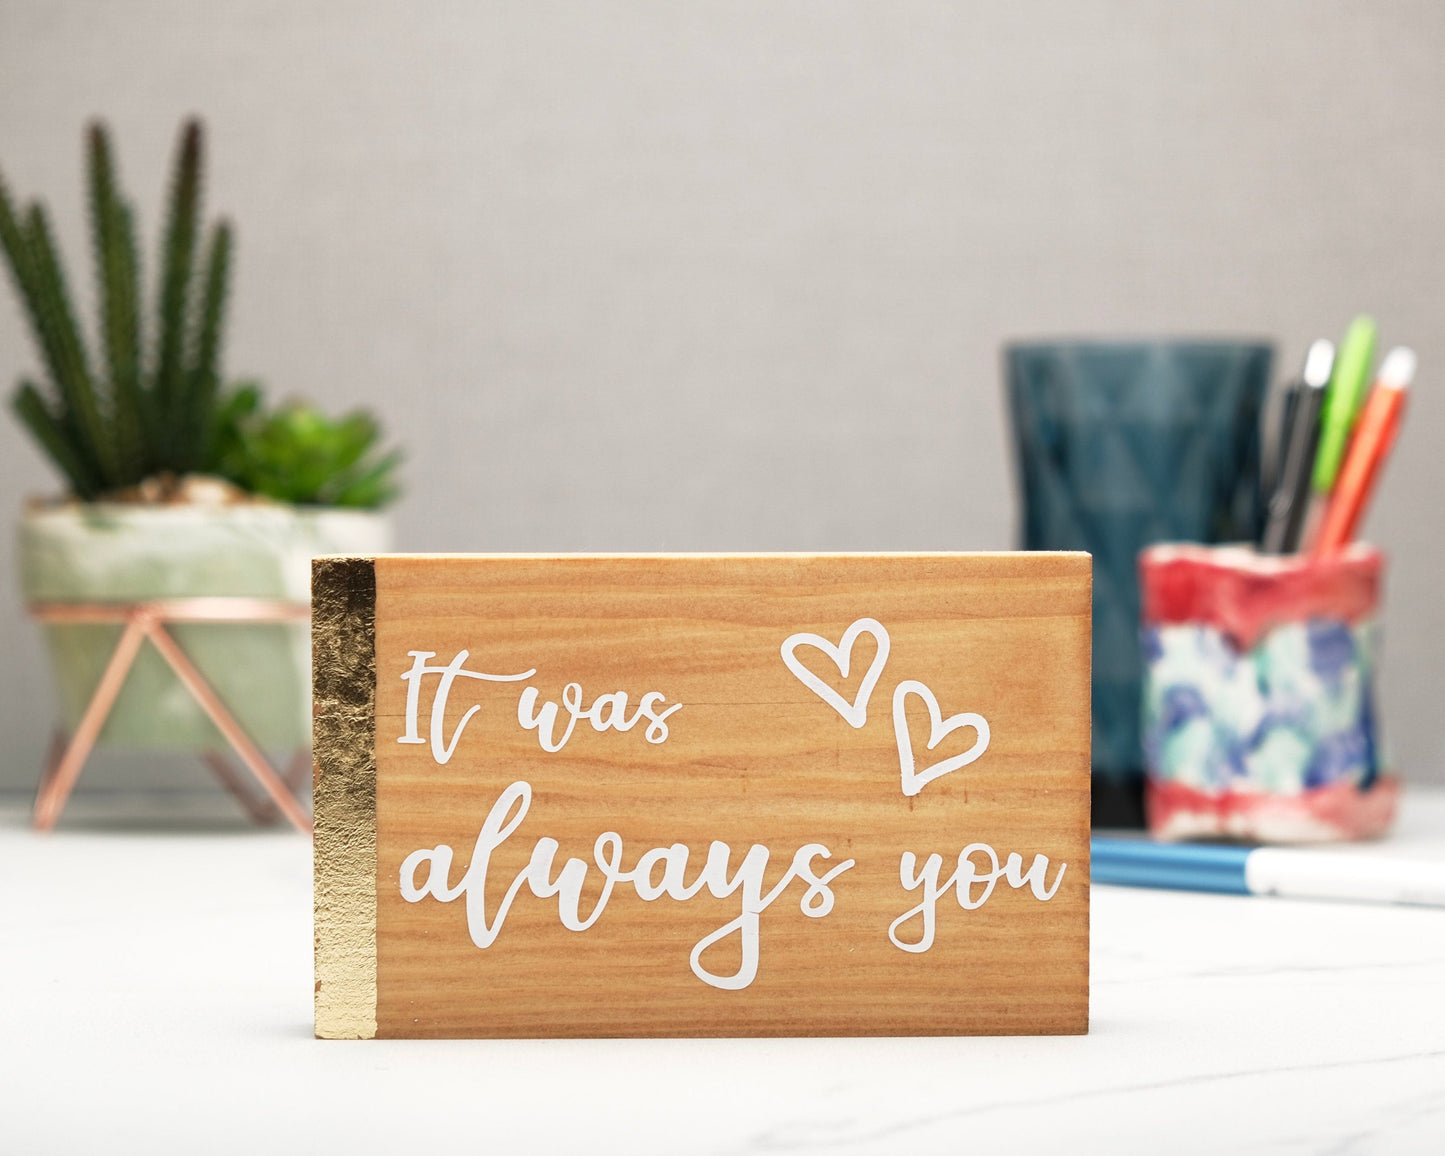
(1342, 402)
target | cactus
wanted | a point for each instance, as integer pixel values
(110, 428)
(111, 425)
(117, 290)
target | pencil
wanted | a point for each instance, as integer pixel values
(1374, 436)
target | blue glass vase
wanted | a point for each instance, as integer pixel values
(1121, 444)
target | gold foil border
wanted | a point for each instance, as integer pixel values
(343, 652)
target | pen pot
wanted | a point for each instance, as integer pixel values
(1259, 718)
(1120, 444)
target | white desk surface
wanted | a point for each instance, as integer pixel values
(157, 998)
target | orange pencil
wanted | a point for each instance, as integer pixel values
(1374, 435)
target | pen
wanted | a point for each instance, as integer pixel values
(1342, 401)
(1285, 517)
(1282, 871)
(1374, 436)
(1289, 398)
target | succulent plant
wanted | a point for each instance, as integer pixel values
(296, 454)
(152, 405)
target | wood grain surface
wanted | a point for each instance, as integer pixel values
(752, 757)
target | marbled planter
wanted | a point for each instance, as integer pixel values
(112, 552)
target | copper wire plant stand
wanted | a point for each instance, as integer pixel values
(148, 620)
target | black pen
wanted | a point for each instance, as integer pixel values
(1290, 500)
(1288, 400)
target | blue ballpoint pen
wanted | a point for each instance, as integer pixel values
(1285, 871)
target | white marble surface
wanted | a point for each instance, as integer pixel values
(157, 983)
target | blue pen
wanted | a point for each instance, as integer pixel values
(1285, 871)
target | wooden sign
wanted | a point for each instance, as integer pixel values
(702, 795)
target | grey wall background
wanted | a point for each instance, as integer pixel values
(735, 276)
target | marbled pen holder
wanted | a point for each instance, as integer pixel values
(1259, 714)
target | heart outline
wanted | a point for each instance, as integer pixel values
(914, 781)
(855, 714)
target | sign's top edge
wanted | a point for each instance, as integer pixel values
(729, 554)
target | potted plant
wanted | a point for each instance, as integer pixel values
(178, 487)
